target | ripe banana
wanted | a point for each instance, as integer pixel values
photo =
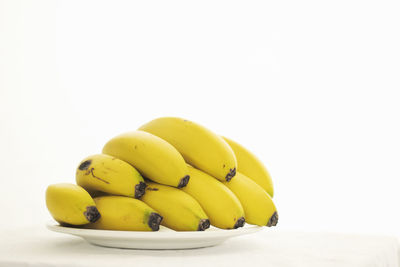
(222, 207)
(258, 206)
(71, 204)
(251, 166)
(125, 214)
(110, 175)
(199, 146)
(154, 158)
(180, 211)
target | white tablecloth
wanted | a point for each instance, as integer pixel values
(40, 247)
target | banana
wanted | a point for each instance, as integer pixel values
(71, 204)
(199, 146)
(251, 166)
(110, 175)
(154, 158)
(258, 206)
(125, 214)
(222, 207)
(180, 211)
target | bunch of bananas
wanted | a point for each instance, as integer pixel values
(172, 172)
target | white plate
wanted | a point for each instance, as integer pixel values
(163, 239)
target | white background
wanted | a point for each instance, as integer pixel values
(310, 86)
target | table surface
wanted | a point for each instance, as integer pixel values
(37, 246)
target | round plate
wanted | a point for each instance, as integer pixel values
(165, 238)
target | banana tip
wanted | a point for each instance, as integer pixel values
(203, 224)
(92, 214)
(140, 189)
(154, 221)
(230, 175)
(85, 165)
(273, 221)
(184, 181)
(239, 223)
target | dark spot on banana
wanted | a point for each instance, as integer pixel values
(273, 221)
(140, 189)
(135, 146)
(203, 224)
(152, 189)
(239, 223)
(184, 181)
(85, 165)
(223, 166)
(154, 221)
(92, 214)
(230, 175)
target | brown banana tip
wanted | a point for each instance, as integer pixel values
(203, 224)
(273, 221)
(154, 221)
(140, 189)
(92, 214)
(239, 223)
(230, 175)
(184, 181)
(85, 165)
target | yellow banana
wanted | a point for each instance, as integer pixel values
(110, 175)
(222, 207)
(258, 206)
(71, 204)
(251, 166)
(180, 211)
(125, 214)
(154, 158)
(199, 146)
